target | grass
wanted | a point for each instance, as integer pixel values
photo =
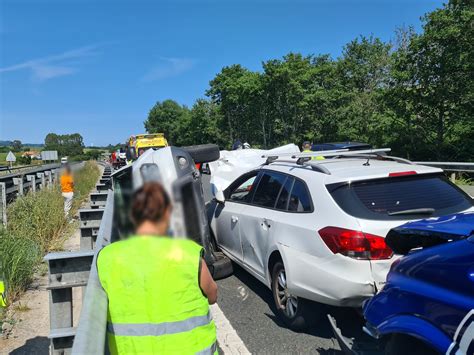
(21, 307)
(464, 180)
(36, 225)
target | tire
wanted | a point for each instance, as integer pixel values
(203, 153)
(296, 313)
(405, 344)
(222, 267)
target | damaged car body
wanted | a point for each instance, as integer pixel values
(427, 305)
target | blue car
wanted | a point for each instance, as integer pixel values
(427, 304)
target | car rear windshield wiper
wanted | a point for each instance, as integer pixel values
(412, 211)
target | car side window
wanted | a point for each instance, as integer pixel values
(282, 202)
(268, 189)
(300, 200)
(242, 192)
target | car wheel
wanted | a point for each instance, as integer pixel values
(404, 344)
(296, 312)
(222, 267)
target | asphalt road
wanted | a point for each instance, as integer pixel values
(248, 305)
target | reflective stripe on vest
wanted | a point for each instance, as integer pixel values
(156, 329)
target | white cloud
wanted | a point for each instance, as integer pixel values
(52, 66)
(169, 67)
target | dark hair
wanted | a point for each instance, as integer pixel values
(149, 203)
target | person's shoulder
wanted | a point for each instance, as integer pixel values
(188, 244)
(113, 247)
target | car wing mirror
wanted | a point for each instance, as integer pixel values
(220, 198)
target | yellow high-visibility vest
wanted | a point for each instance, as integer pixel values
(3, 296)
(314, 158)
(156, 305)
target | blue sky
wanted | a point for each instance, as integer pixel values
(97, 67)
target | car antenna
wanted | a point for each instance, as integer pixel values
(367, 163)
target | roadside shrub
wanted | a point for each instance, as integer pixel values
(18, 258)
(39, 217)
(85, 180)
(36, 225)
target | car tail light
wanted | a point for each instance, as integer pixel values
(402, 173)
(355, 244)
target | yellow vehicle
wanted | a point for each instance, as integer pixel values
(139, 143)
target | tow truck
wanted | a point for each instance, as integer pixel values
(139, 143)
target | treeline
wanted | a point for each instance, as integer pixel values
(71, 146)
(415, 95)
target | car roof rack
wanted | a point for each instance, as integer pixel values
(325, 153)
(305, 158)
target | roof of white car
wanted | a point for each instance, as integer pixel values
(350, 169)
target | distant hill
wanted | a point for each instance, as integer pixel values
(9, 143)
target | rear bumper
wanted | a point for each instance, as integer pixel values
(335, 280)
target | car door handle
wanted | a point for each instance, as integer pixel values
(234, 219)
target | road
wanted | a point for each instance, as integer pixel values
(248, 305)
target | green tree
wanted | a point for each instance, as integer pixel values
(433, 90)
(66, 144)
(206, 124)
(170, 118)
(16, 145)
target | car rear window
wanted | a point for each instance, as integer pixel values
(377, 199)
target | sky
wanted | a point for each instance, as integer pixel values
(96, 67)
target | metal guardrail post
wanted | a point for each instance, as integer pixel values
(101, 187)
(66, 270)
(41, 177)
(19, 182)
(98, 199)
(55, 173)
(49, 178)
(32, 179)
(3, 203)
(90, 224)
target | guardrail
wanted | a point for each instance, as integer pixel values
(19, 183)
(68, 270)
(450, 167)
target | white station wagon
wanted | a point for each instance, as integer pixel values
(314, 230)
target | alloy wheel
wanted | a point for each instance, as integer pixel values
(287, 302)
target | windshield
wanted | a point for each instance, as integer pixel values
(400, 197)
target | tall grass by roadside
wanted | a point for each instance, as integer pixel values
(36, 225)
(19, 257)
(84, 181)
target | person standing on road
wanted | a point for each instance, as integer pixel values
(158, 288)
(307, 149)
(67, 189)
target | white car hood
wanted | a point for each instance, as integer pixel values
(233, 164)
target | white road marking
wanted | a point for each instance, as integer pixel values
(228, 339)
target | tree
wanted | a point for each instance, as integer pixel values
(432, 78)
(66, 144)
(206, 123)
(170, 118)
(16, 145)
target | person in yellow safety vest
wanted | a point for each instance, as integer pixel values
(3, 296)
(307, 149)
(158, 288)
